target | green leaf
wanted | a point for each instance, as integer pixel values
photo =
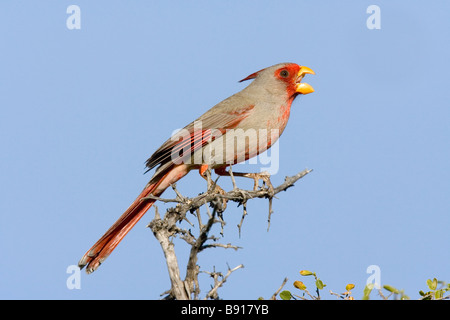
(319, 284)
(349, 287)
(391, 289)
(306, 273)
(367, 290)
(299, 285)
(285, 295)
(432, 284)
(426, 295)
(438, 294)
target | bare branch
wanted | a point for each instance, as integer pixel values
(166, 228)
(212, 294)
(215, 245)
(162, 233)
(152, 197)
(192, 268)
(270, 213)
(179, 196)
(274, 296)
(236, 195)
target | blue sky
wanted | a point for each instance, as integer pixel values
(81, 110)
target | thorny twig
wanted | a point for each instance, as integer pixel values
(166, 228)
(212, 294)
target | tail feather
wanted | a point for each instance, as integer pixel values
(163, 178)
(109, 241)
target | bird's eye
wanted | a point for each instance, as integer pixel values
(284, 73)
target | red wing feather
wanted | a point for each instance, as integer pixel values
(200, 133)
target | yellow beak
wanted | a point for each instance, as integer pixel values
(303, 88)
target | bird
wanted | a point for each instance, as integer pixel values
(258, 110)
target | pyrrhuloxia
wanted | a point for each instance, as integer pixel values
(263, 106)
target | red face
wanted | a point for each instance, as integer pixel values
(290, 75)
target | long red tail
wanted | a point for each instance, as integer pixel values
(109, 241)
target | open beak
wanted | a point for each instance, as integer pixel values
(303, 88)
